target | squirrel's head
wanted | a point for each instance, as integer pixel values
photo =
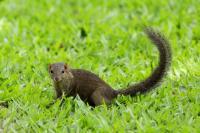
(60, 72)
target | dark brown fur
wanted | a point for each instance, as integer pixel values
(95, 91)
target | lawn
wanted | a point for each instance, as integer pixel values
(107, 38)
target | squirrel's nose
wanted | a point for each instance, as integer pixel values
(56, 79)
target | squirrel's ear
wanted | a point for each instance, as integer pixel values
(65, 66)
(49, 66)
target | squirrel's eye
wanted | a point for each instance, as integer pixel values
(63, 71)
(51, 71)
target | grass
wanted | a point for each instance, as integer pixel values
(105, 37)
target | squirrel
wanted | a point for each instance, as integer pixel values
(95, 91)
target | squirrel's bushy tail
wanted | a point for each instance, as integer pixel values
(159, 72)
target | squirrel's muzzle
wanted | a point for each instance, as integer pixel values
(57, 79)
